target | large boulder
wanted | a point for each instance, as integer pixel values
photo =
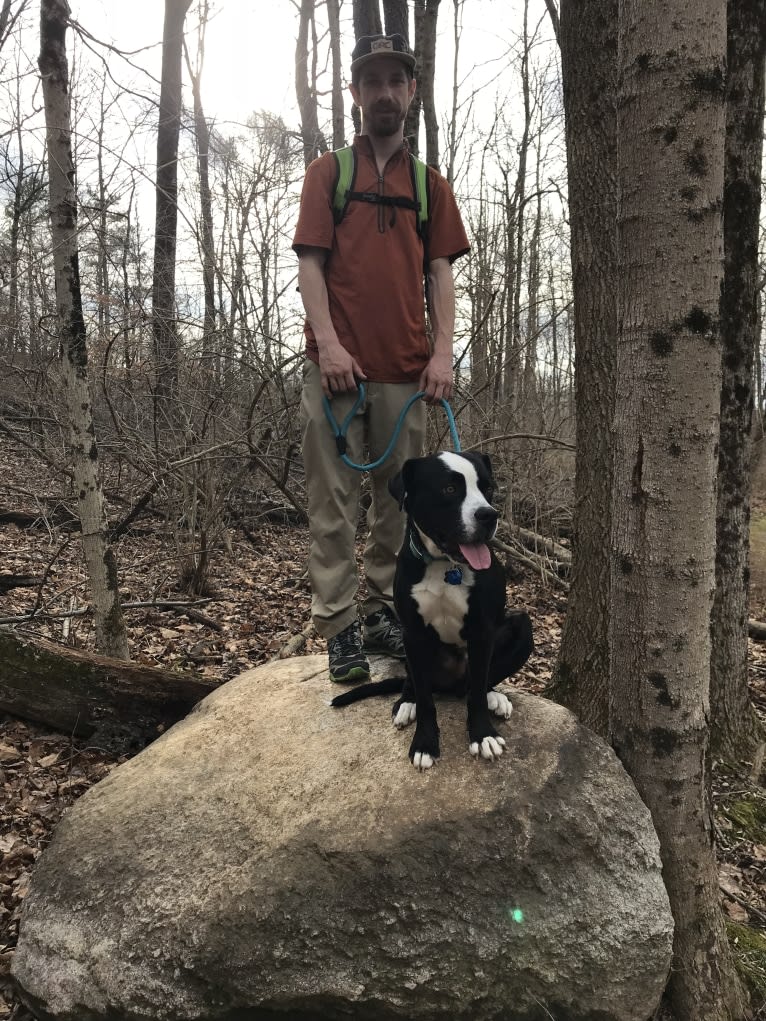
(271, 857)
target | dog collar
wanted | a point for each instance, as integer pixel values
(453, 575)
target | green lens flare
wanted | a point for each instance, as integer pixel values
(517, 915)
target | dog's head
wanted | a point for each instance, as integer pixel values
(447, 497)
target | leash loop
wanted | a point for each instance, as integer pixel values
(339, 431)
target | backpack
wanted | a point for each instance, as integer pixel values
(345, 165)
(345, 161)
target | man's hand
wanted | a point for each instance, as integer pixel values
(436, 378)
(339, 370)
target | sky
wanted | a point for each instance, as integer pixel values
(250, 45)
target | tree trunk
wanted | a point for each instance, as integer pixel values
(366, 18)
(111, 636)
(338, 113)
(672, 60)
(588, 36)
(202, 133)
(396, 17)
(305, 85)
(735, 728)
(425, 51)
(92, 696)
(166, 222)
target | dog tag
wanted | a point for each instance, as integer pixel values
(454, 576)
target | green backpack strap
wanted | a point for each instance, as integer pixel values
(345, 167)
(345, 175)
(420, 190)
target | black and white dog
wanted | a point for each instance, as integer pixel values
(449, 594)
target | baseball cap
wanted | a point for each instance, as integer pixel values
(370, 46)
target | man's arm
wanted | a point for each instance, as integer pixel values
(436, 379)
(339, 371)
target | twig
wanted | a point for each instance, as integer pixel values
(294, 645)
(535, 563)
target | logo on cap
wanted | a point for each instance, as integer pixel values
(381, 44)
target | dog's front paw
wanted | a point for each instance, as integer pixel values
(499, 704)
(403, 714)
(422, 761)
(490, 748)
(424, 750)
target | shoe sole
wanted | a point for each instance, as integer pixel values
(356, 673)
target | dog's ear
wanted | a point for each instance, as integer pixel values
(397, 486)
(480, 458)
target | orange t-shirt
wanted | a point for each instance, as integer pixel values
(374, 272)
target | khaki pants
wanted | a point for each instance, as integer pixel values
(333, 495)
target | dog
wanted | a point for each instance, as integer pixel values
(449, 595)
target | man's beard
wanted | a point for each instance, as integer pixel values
(386, 122)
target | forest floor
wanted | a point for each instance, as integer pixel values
(258, 599)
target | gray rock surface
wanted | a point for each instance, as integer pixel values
(270, 857)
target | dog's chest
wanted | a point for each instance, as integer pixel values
(442, 605)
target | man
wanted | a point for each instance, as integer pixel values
(361, 281)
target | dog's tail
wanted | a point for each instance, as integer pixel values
(388, 686)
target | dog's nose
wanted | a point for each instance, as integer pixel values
(486, 515)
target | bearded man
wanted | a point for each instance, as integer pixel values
(361, 281)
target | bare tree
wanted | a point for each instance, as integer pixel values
(588, 38)
(338, 113)
(736, 731)
(306, 84)
(202, 134)
(166, 222)
(111, 636)
(672, 59)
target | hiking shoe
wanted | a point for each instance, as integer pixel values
(347, 661)
(383, 633)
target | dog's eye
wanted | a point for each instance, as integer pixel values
(449, 490)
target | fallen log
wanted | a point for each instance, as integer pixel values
(117, 704)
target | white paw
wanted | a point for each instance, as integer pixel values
(422, 761)
(405, 715)
(491, 748)
(499, 704)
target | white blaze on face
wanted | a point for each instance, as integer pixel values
(474, 498)
(477, 554)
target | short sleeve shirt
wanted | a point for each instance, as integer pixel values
(374, 269)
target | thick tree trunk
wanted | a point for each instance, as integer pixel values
(735, 728)
(166, 222)
(338, 113)
(305, 84)
(672, 60)
(366, 15)
(425, 51)
(86, 695)
(207, 245)
(588, 36)
(111, 636)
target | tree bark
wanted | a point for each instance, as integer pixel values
(207, 245)
(86, 695)
(166, 220)
(338, 113)
(425, 52)
(672, 60)
(111, 635)
(735, 728)
(366, 15)
(305, 85)
(588, 36)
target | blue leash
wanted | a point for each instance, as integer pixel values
(339, 431)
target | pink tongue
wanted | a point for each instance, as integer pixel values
(477, 555)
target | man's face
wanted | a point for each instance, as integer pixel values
(383, 94)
